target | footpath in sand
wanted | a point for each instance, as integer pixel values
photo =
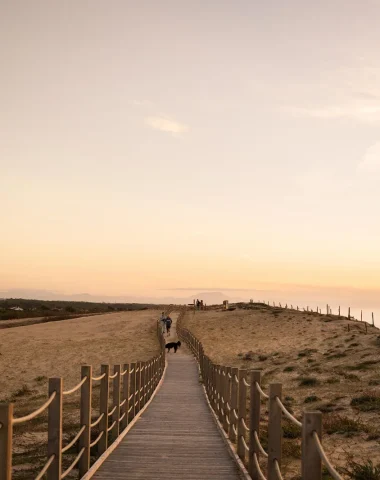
(325, 363)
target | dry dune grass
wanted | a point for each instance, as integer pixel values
(321, 365)
(31, 354)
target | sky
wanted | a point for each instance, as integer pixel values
(161, 145)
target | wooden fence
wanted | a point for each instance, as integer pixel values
(133, 385)
(227, 389)
(318, 310)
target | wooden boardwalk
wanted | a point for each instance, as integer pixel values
(176, 437)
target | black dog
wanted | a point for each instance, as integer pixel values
(174, 345)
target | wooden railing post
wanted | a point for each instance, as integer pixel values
(116, 402)
(6, 415)
(219, 392)
(226, 398)
(132, 391)
(242, 413)
(55, 429)
(228, 395)
(274, 430)
(254, 422)
(124, 422)
(103, 424)
(138, 387)
(311, 461)
(85, 419)
(234, 403)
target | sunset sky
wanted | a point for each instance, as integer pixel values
(166, 144)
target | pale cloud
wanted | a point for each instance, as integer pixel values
(371, 160)
(166, 124)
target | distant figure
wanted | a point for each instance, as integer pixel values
(168, 322)
(163, 322)
(198, 303)
(201, 304)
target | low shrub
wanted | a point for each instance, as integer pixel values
(369, 401)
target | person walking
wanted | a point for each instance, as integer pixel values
(168, 322)
(163, 322)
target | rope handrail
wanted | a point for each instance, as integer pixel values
(244, 425)
(287, 413)
(122, 403)
(97, 421)
(236, 379)
(113, 376)
(257, 465)
(111, 427)
(121, 418)
(229, 375)
(227, 420)
(258, 443)
(131, 371)
(95, 379)
(66, 472)
(96, 439)
(46, 468)
(130, 396)
(123, 373)
(262, 393)
(112, 411)
(235, 414)
(130, 409)
(37, 412)
(234, 429)
(77, 387)
(246, 383)
(68, 446)
(278, 471)
(324, 458)
(244, 443)
(136, 403)
(228, 406)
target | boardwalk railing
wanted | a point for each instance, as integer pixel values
(227, 389)
(133, 385)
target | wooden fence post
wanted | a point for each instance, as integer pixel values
(85, 418)
(138, 387)
(226, 398)
(132, 391)
(274, 430)
(234, 403)
(142, 384)
(116, 402)
(55, 429)
(311, 461)
(254, 424)
(349, 313)
(103, 424)
(6, 416)
(124, 422)
(242, 413)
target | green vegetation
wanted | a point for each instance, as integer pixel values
(369, 401)
(59, 310)
(307, 381)
(289, 369)
(311, 399)
(290, 429)
(334, 423)
(364, 471)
